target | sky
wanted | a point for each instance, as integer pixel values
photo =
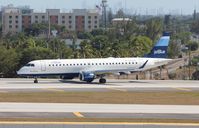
(130, 6)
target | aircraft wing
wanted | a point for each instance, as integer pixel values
(100, 72)
(157, 64)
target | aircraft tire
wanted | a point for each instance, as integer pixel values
(35, 81)
(102, 81)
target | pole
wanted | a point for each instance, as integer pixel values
(184, 67)
(105, 16)
(104, 5)
(48, 28)
(160, 72)
(189, 62)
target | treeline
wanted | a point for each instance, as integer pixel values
(133, 39)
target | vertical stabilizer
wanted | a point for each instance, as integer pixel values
(160, 50)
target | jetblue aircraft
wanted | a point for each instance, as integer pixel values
(90, 69)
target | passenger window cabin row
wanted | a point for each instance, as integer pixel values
(84, 64)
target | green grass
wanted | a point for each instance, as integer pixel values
(115, 97)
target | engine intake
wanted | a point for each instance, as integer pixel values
(87, 76)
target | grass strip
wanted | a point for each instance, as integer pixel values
(162, 98)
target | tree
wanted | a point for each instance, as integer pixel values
(67, 53)
(195, 61)
(119, 49)
(154, 28)
(131, 28)
(193, 46)
(84, 35)
(120, 13)
(9, 61)
(36, 53)
(101, 43)
(174, 49)
(195, 75)
(184, 37)
(195, 27)
(14, 41)
(97, 32)
(110, 16)
(86, 49)
(139, 45)
(35, 29)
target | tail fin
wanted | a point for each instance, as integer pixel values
(160, 48)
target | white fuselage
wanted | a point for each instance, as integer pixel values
(97, 66)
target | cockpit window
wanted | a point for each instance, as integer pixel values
(29, 65)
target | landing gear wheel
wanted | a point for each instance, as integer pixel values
(35, 81)
(102, 81)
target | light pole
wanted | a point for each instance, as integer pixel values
(189, 62)
(104, 5)
(48, 28)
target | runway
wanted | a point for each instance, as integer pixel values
(98, 108)
(103, 111)
(27, 85)
(72, 115)
(61, 110)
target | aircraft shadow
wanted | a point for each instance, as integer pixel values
(110, 83)
(138, 82)
(81, 82)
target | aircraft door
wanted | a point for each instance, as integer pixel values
(43, 66)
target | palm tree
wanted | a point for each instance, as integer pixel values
(154, 28)
(86, 49)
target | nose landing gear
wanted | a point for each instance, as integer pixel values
(35, 81)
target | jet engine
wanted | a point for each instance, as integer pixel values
(87, 76)
(68, 76)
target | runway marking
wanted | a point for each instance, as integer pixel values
(182, 89)
(97, 123)
(78, 114)
(54, 90)
(117, 89)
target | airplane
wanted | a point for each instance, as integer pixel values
(90, 69)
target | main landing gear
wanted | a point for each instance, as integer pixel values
(102, 81)
(35, 81)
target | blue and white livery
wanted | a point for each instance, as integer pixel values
(90, 69)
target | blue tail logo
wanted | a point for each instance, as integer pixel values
(160, 48)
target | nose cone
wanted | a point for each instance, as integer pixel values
(21, 72)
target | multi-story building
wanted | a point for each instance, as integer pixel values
(11, 20)
(17, 19)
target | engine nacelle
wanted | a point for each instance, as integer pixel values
(69, 76)
(116, 74)
(87, 76)
(127, 73)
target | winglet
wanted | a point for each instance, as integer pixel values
(144, 65)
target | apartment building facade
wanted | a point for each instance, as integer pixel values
(15, 20)
(11, 22)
